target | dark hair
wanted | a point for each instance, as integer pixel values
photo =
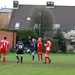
(48, 38)
(5, 37)
(20, 39)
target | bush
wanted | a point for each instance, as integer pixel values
(61, 40)
(24, 34)
(54, 46)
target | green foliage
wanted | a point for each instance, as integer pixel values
(23, 33)
(54, 46)
(61, 40)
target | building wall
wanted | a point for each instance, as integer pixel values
(4, 19)
(11, 37)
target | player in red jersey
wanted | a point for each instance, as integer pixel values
(39, 48)
(4, 46)
(48, 46)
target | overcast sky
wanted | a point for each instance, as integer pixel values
(9, 3)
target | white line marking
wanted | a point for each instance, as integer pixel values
(7, 66)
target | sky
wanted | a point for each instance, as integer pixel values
(9, 3)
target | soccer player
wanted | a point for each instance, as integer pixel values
(33, 47)
(19, 50)
(48, 46)
(39, 48)
(4, 46)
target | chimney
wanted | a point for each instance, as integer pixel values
(15, 4)
(50, 4)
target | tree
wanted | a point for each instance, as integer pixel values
(61, 40)
(41, 19)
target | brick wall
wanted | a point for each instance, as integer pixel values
(11, 37)
(4, 20)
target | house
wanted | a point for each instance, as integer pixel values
(64, 17)
(5, 14)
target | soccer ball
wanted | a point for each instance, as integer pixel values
(28, 50)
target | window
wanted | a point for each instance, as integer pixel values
(17, 25)
(55, 26)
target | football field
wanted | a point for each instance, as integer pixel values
(61, 64)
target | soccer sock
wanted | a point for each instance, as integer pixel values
(17, 58)
(33, 57)
(41, 56)
(4, 59)
(48, 58)
(45, 59)
(38, 56)
(21, 59)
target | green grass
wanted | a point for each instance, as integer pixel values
(62, 64)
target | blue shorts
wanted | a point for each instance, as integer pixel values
(32, 51)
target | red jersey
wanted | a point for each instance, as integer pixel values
(48, 45)
(39, 44)
(4, 45)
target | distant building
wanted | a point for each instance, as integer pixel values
(18, 17)
(64, 16)
(5, 15)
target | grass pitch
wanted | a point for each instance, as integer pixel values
(62, 64)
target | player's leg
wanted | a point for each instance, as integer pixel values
(21, 55)
(38, 55)
(17, 58)
(0, 53)
(21, 58)
(45, 58)
(4, 56)
(41, 55)
(49, 60)
(32, 55)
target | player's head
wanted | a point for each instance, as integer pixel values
(20, 39)
(5, 37)
(48, 38)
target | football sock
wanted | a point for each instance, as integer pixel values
(38, 56)
(45, 59)
(48, 58)
(41, 57)
(17, 58)
(33, 57)
(21, 59)
(4, 59)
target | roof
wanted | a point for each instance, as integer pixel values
(64, 15)
(6, 10)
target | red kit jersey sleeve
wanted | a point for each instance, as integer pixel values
(48, 45)
(4, 44)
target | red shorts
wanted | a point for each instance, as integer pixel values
(47, 52)
(39, 50)
(3, 52)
